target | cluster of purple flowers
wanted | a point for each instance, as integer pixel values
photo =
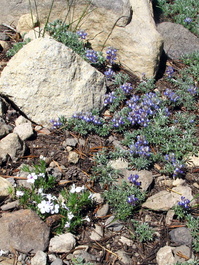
(142, 110)
(140, 147)
(184, 203)
(88, 117)
(133, 179)
(188, 20)
(132, 200)
(82, 34)
(169, 71)
(127, 87)
(109, 98)
(91, 55)
(179, 168)
(56, 123)
(111, 55)
(109, 73)
(117, 121)
(171, 95)
(193, 90)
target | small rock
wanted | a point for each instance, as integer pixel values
(165, 256)
(62, 243)
(103, 210)
(20, 120)
(6, 189)
(126, 241)
(169, 217)
(57, 261)
(24, 231)
(25, 23)
(73, 157)
(97, 197)
(10, 205)
(178, 182)
(113, 224)
(165, 200)
(24, 131)
(145, 177)
(71, 142)
(186, 251)
(181, 236)
(123, 256)
(118, 163)
(97, 233)
(40, 258)
(11, 145)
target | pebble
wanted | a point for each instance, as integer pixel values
(103, 210)
(181, 236)
(73, 157)
(57, 261)
(62, 243)
(97, 233)
(40, 258)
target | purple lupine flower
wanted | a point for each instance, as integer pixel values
(109, 73)
(140, 147)
(184, 203)
(91, 55)
(111, 55)
(132, 200)
(127, 87)
(117, 121)
(109, 98)
(192, 90)
(169, 71)
(82, 34)
(171, 95)
(188, 20)
(56, 123)
(133, 179)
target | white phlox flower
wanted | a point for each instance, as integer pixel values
(76, 189)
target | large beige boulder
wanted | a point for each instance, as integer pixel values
(126, 25)
(46, 80)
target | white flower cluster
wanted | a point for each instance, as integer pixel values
(32, 177)
(48, 205)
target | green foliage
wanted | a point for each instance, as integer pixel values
(16, 47)
(179, 10)
(102, 171)
(143, 232)
(117, 197)
(193, 224)
(59, 31)
(145, 86)
(120, 79)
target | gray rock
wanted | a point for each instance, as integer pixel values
(39, 79)
(145, 177)
(24, 131)
(165, 200)
(181, 236)
(73, 157)
(177, 39)
(186, 253)
(10, 205)
(165, 256)
(123, 256)
(40, 258)
(23, 230)
(62, 243)
(103, 210)
(11, 145)
(97, 233)
(57, 262)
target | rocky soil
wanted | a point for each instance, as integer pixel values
(97, 241)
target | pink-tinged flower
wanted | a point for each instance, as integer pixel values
(31, 177)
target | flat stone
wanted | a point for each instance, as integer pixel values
(62, 243)
(97, 233)
(165, 256)
(181, 236)
(24, 231)
(6, 188)
(40, 258)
